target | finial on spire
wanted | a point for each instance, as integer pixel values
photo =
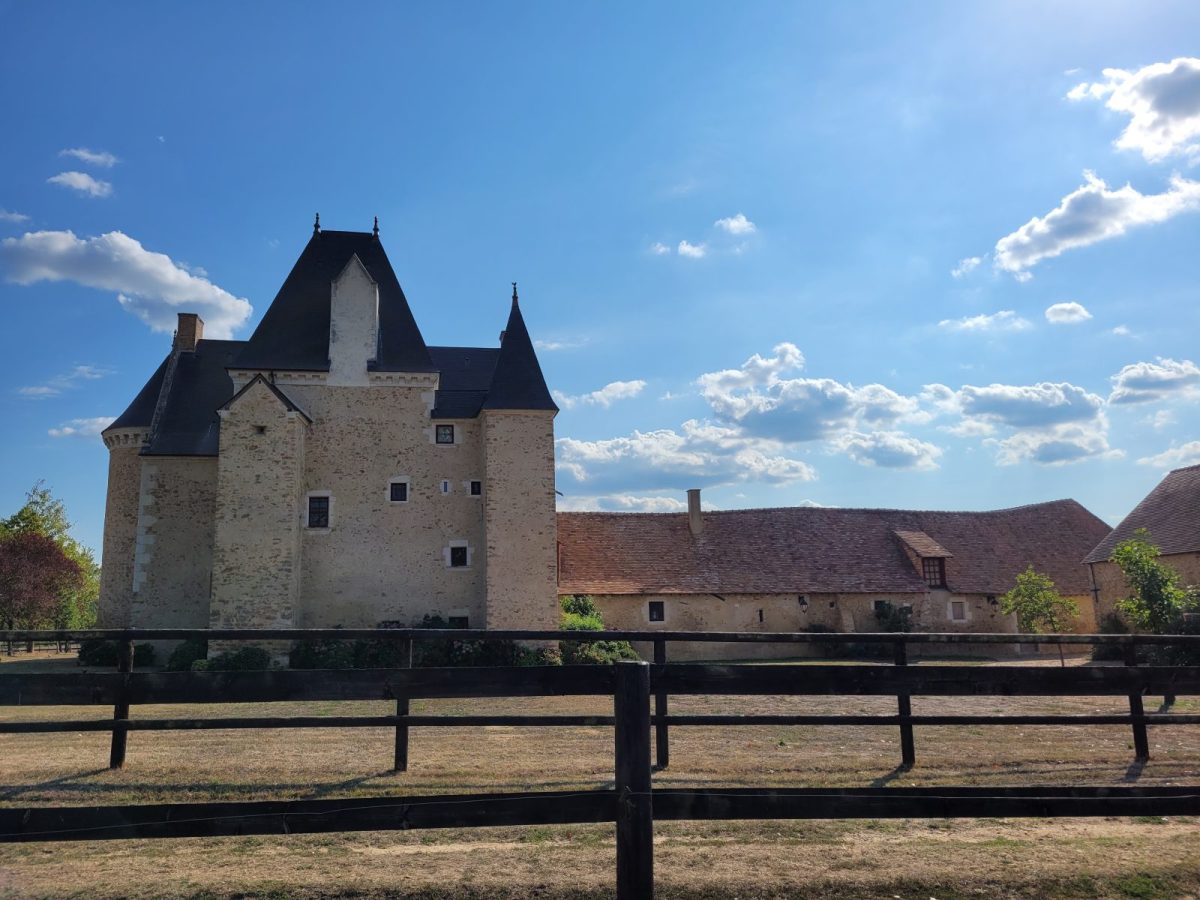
(375, 230)
(317, 224)
(514, 284)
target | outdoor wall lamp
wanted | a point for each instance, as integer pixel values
(803, 604)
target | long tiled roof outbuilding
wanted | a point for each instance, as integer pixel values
(1170, 512)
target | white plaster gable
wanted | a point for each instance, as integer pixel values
(353, 324)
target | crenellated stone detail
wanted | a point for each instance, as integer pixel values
(406, 379)
(126, 437)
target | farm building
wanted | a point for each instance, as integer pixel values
(334, 469)
(793, 568)
(1171, 513)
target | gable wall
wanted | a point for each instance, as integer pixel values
(1114, 588)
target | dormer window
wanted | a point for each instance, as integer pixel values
(444, 434)
(934, 570)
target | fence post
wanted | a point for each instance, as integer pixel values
(400, 764)
(120, 736)
(662, 747)
(635, 814)
(1141, 742)
(908, 753)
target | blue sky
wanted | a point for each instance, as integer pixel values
(927, 255)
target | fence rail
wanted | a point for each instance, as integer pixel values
(633, 804)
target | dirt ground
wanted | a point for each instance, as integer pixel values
(1117, 857)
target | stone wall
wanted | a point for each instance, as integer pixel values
(379, 560)
(256, 552)
(522, 532)
(120, 525)
(173, 572)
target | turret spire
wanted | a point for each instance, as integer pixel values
(514, 284)
(375, 230)
(317, 224)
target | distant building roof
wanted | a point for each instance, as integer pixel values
(821, 550)
(294, 332)
(923, 545)
(1170, 512)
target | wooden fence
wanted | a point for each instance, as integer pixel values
(632, 804)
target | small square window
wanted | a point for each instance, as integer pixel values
(657, 613)
(459, 621)
(476, 488)
(318, 512)
(398, 492)
(444, 434)
(958, 611)
(934, 570)
(458, 557)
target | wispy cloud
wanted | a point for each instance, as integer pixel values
(82, 428)
(658, 248)
(966, 266)
(1175, 457)
(82, 183)
(692, 251)
(1005, 320)
(101, 158)
(604, 397)
(149, 285)
(1067, 313)
(7, 215)
(64, 382)
(1090, 214)
(1163, 104)
(738, 224)
(553, 346)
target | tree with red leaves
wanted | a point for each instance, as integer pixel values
(34, 574)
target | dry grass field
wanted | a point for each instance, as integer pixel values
(1140, 858)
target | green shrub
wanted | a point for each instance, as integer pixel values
(98, 652)
(186, 653)
(244, 659)
(579, 613)
(323, 655)
(1112, 623)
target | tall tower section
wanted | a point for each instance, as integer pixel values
(519, 512)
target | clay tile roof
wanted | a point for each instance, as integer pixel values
(923, 545)
(821, 550)
(1170, 512)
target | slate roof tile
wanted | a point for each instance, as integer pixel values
(1170, 512)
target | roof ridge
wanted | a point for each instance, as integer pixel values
(851, 509)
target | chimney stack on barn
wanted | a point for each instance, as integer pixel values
(695, 520)
(189, 332)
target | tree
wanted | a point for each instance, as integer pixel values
(34, 574)
(1039, 607)
(1158, 600)
(44, 514)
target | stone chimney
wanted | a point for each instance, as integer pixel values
(189, 332)
(695, 520)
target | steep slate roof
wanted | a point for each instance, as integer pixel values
(188, 424)
(1170, 512)
(294, 332)
(140, 413)
(518, 382)
(283, 398)
(466, 376)
(820, 550)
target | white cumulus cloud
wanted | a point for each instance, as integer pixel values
(888, 449)
(692, 251)
(1162, 101)
(1068, 313)
(738, 224)
(605, 396)
(1144, 382)
(7, 215)
(101, 158)
(149, 285)
(1091, 213)
(82, 428)
(82, 182)
(1004, 320)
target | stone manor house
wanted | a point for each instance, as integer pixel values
(334, 469)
